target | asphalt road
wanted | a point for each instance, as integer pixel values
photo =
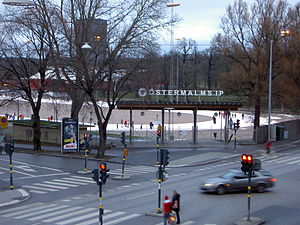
(127, 201)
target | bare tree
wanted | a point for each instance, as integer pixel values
(24, 54)
(100, 72)
(246, 39)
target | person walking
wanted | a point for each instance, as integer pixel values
(167, 209)
(176, 205)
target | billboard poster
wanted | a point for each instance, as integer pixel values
(70, 134)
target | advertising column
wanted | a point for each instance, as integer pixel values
(70, 134)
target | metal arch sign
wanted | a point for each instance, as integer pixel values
(4, 122)
(142, 92)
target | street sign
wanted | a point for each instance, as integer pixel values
(3, 122)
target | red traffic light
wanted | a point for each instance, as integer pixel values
(247, 158)
(102, 166)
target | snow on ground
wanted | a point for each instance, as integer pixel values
(245, 122)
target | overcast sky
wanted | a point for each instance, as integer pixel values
(201, 18)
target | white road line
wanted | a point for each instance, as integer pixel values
(123, 218)
(140, 196)
(293, 162)
(55, 213)
(41, 211)
(281, 160)
(38, 192)
(51, 186)
(21, 207)
(44, 175)
(81, 181)
(74, 213)
(21, 212)
(69, 182)
(83, 178)
(75, 219)
(61, 184)
(105, 217)
(39, 188)
(185, 223)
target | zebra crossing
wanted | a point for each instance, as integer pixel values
(64, 214)
(132, 171)
(58, 184)
(286, 159)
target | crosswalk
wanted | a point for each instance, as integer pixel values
(286, 159)
(58, 184)
(133, 171)
(65, 214)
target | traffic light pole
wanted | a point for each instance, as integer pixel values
(11, 186)
(235, 140)
(159, 197)
(85, 159)
(123, 163)
(100, 204)
(249, 193)
(157, 150)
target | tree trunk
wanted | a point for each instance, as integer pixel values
(256, 115)
(36, 126)
(75, 107)
(102, 141)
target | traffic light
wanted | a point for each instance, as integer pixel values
(158, 131)
(9, 148)
(123, 138)
(103, 172)
(247, 163)
(237, 124)
(95, 175)
(85, 136)
(164, 157)
(214, 120)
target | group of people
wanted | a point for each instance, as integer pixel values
(172, 206)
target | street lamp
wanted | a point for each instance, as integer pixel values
(284, 33)
(270, 91)
(172, 5)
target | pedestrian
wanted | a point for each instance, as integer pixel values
(167, 209)
(176, 205)
(268, 146)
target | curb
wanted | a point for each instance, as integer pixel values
(25, 196)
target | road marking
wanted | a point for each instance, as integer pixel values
(39, 188)
(28, 210)
(26, 168)
(41, 211)
(105, 217)
(61, 184)
(76, 180)
(68, 182)
(124, 218)
(20, 207)
(38, 192)
(70, 209)
(74, 213)
(94, 214)
(140, 196)
(51, 186)
(44, 175)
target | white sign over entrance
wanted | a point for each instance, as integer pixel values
(142, 92)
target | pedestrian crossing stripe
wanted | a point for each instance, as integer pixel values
(65, 214)
(182, 223)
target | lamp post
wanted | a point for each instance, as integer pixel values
(270, 91)
(172, 5)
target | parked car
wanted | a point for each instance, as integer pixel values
(236, 180)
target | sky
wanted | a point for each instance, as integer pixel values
(201, 19)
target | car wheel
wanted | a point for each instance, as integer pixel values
(221, 190)
(261, 188)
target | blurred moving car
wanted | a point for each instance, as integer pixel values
(236, 180)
